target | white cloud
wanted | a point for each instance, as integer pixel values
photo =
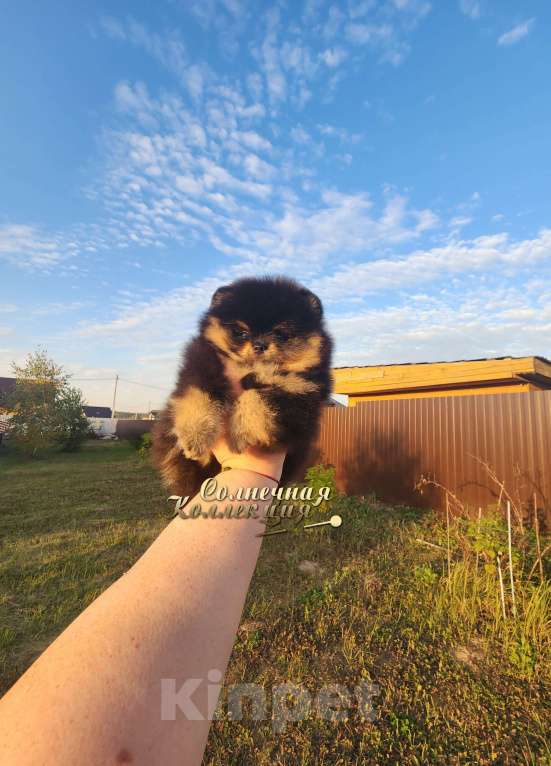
(476, 311)
(252, 140)
(297, 57)
(189, 185)
(486, 321)
(135, 99)
(360, 8)
(234, 7)
(382, 37)
(442, 262)
(258, 168)
(517, 33)
(255, 85)
(26, 246)
(300, 135)
(342, 134)
(333, 57)
(471, 8)
(368, 33)
(57, 308)
(194, 79)
(346, 159)
(460, 220)
(167, 49)
(217, 176)
(335, 18)
(269, 57)
(113, 28)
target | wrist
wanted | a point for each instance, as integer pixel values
(268, 465)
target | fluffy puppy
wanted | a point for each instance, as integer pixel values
(268, 333)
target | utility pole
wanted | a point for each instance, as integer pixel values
(114, 396)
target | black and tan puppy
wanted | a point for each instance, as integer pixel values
(268, 333)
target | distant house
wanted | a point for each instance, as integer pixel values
(472, 376)
(7, 385)
(92, 411)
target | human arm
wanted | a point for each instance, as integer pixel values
(94, 695)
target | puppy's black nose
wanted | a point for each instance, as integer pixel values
(259, 346)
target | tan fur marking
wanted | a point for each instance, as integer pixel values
(236, 370)
(294, 384)
(266, 373)
(272, 353)
(246, 351)
(252, 421)
(217, 334)
(197, 423)
(303, 358)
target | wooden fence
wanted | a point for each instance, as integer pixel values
(386, 446)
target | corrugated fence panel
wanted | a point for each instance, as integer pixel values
(385, 446)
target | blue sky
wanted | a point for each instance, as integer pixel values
(393, 155)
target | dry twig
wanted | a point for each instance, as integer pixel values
(537, 530)
(502, 489)
(509, 543)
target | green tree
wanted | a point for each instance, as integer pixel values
(45, 409)
(73, 426)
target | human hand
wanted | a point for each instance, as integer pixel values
(252, 459)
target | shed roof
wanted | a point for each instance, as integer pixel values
(430, 375)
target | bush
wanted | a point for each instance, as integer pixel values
(46, 411)
(73, 425)
(144, 444)
(318, 476)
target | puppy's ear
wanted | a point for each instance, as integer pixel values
(314, 301)
(219, 296)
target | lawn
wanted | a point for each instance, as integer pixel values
(455, 683)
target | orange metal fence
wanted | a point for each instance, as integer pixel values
(386, 446)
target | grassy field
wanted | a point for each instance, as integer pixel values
(456, 683)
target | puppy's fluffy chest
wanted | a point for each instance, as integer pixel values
(266, 372)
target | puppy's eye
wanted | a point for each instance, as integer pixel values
(282, 335)
(239, 334)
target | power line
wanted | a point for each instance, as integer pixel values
(126, 380)
(147, 385)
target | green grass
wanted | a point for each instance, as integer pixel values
(457, 684)
(70, 524)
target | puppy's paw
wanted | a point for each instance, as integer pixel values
(193, 450)
(252, 422)
(198, 423)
